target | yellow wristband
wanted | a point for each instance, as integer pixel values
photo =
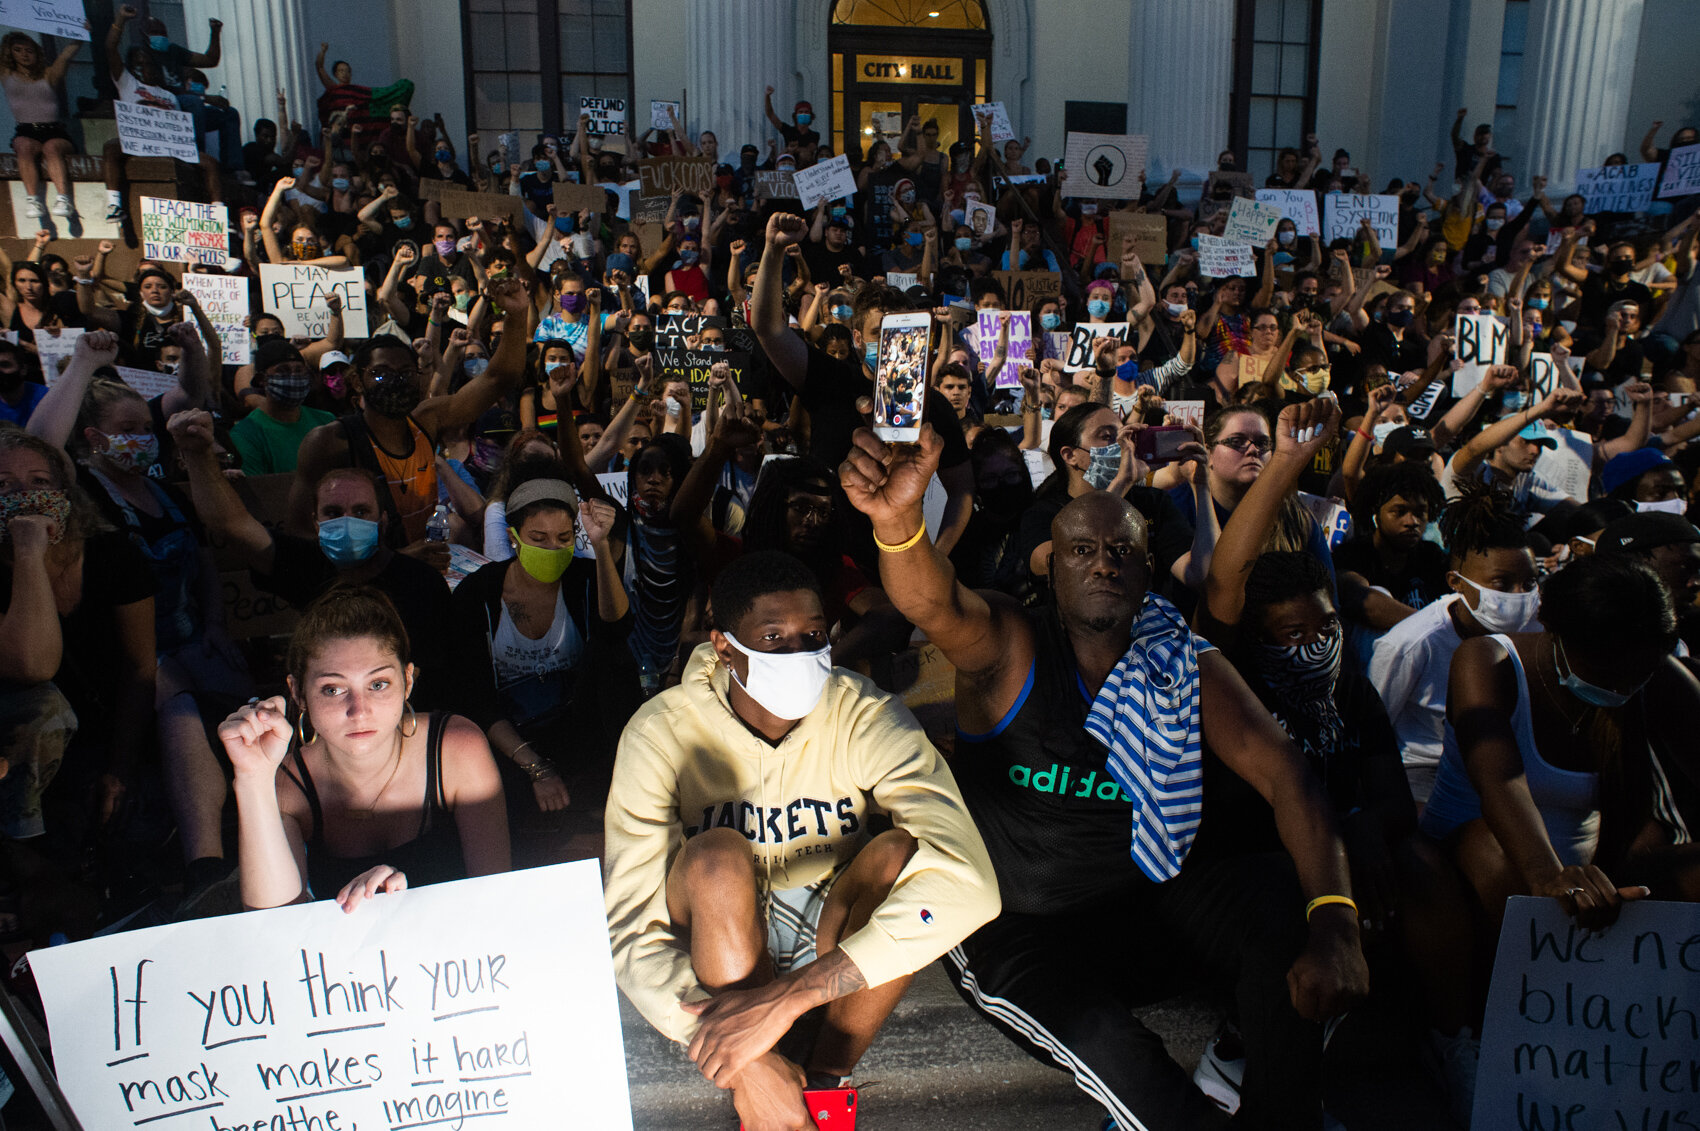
(904, 545)
(1324, 900)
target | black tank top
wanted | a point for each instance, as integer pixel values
(433, 856)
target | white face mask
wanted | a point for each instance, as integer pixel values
(1386, 428)
(159, 311)
(786, 684)
(1503, 612)
(1668, 506)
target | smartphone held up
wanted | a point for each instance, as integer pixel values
(900, 385)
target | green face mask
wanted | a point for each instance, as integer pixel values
(545, 565)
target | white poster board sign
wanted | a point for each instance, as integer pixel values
(825, 180)
(1545, 375)
(987, 331)
(1297, 205)
(1343, 211)
(662, 114)
(1221, 258)
(902, 280)
(1481, 341)
(183, 231)
(615, 483)
(1251, 221)
(224, 298)
(1081, 339)
(150, 383)
(982, 219)
(1591, 1030)
(428, 1007)
(296, 293)
(1618, 188)
(1105, 166)
(54, 349)
(1682, 172)
(607, 115)
(994, 114)
(148, 131)
(63, 18)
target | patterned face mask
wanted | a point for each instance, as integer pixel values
(133, 451)
(47, 501)
(1302, 677)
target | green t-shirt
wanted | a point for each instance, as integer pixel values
(267, 446)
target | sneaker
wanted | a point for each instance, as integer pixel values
(62, 206)
(1452, 1063)
(1221, 1070)
(32, 207)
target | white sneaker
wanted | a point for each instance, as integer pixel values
(62, 206)
(1220, 1076)
(1452, 1062)
(32, 207)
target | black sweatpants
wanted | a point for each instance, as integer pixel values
(1062, 987)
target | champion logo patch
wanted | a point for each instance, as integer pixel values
(926, 916)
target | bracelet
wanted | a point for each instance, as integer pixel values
(85, 282)
(540, 769)
(1366, 435)
(904, 545)
(1324, 900)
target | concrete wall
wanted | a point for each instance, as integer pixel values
(425, 45)
(1667, 84)
(659, 59)
(1080, 54)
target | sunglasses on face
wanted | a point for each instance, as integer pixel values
(1245, 445)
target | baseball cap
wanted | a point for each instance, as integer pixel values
(1408, 442)
(802, 108)
(274, 351)
(620, 261)
(1536, 433)
(1646, 530)
(334, 357)
(1630, 466)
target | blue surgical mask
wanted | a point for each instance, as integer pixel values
(1195, 243)
(347, 540)
(842, 312)
(1128, 370)
(340, 184)
(541, 165)
(159, 42)
(964, 243)
(475, 366)
(1098, 308)
(805, 119)
(404, 222)
(871, 355)
(689, 256)
(1050, 322)
(197, 88)
(1106, 461)
(1385, 429)
(916, 239)
(298, 171)
(563, 224)
(497, 168)
(1582, 689)
(1514, 400)
(443, 155)
(1537, 304)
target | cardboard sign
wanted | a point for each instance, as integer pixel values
(982, 219)
(54, 348)
(659, 176)
(987, 332)
(1022, 289)
(664, 115)
(433, 1006)
(1251, 221)
(1056, 344)
(1343, 211)
(571, 199)
(1297, 205)
(62, 18)
(1682, 172)
(1105, 166)
(1221, 189)
(825, 180)
(994, 115)
(224, 300)
(771, 184)
(1149, 233)
(1221, 258)
(1080, 342)
(148, 131)
(458, 204)
(607, 116)
(150, 383)
(296, 293)
(1618, 188)
(1591, 1030)
(649, 209)
(1480, 343)
(695, 365)
(182, 231)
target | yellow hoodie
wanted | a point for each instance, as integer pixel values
(687, 763)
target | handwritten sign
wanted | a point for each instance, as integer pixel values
(296, 293)
(1481, 343)
(63, 18)
(148, 131)
(182, 231)
(1023, 289)
(607, 116)
(224, 298)
(993, 115)
(1618, 188)
(1081, 339)
(694, 366)
(458, 204)
(435, 1006)
(1682, 172)
(1591, 1030)
(771, 184)
(902, 280)
(1251, 221)
(1297, 205)
(1222, 258)
(1106, 166)
(659, 176)
(679, 331)
(571, 198)
(987, 332)
(664, 115)
(1344, 211)
(1221, 189)
(54, 348)
(150, 383)
(825, 180)
(1149, 233)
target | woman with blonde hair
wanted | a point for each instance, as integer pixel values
(33, 87)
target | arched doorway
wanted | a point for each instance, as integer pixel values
(898, 58)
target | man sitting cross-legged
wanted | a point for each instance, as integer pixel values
(745, 885)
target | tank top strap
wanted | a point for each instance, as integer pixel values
(304, 782)
(435, 802)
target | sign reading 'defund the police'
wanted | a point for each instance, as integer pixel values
(488, 1000)
(1593, 1030)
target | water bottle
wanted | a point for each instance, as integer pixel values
(437, 530)
(649, 679)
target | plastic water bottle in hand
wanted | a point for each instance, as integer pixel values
(437, 530)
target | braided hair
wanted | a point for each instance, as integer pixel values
(1409, 480)
(1480, 520)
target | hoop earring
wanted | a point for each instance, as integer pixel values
(301, 730)
(412, 721)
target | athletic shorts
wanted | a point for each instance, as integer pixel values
(793, 915)
(42, 132)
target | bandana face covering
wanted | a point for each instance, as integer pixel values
(52, 504)
(1302, 677)
(1106, 461)
(395, 396)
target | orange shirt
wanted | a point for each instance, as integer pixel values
(412, 477)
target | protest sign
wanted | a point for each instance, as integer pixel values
(1056, 344)
(994, 115)
(607, 116)
(150, 383)
(987, 331)
(148, 131)
(1591, 1029)
(509, 143)
(458, 204)
(296, 293)
(659, 176)
(694, 365)
(1149, 233)
(664, 115)
(902, 280)
(982, 219)
(888, 122)
(1682, 172)
(613, 482)
(1080, 342)
(1221, 258)
(825, 180)
(182, 231)
(1618, 188)
(54, 348)
(1105, 166)
(680, 331)
(1186, 412)
(1343, 211)
(442, 1004)
(1545, 375)
(1251, 221)
(1021, 289)
(1423, 407)
(571, 198)
(1297, 205)
(1221, 189)
(775, 185)
(224, 300)
(1480, 343)
(62, 18)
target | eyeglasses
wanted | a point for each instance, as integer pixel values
(384, 373)
(1245, 445)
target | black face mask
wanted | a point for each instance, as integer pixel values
(1622, 266)
(641, 340)
(394, 398)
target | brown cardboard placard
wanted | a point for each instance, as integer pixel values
(1022, 289)
(571, 198)
(659, 176)
(1149, 232)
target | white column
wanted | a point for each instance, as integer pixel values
(1573, 102)
(735, 52)
(1182, 72)
(265, 48)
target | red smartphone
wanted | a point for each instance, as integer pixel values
(832, 1109)
(1160, 444)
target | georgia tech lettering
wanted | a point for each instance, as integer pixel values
(805, 816)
